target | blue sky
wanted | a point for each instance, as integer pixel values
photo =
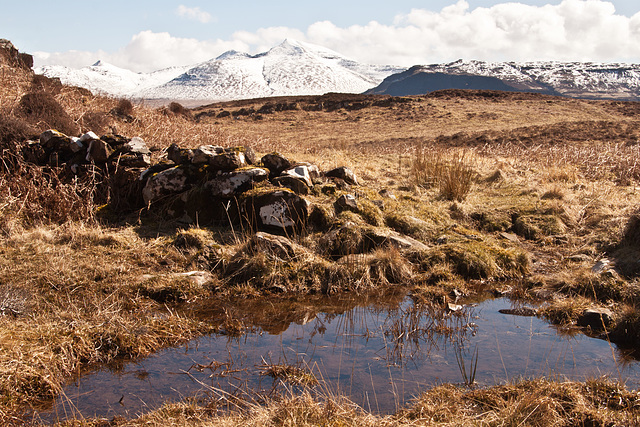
(146, 35)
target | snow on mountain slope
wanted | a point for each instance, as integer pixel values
(291, 68)
(105, 78)
(566, 78)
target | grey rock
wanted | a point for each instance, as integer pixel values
(391, 238)
(276, 246)
(137, 146)
(164, 183)
(596, 318)
(98, 151)
(280, 209)
(346, 202)
(228, 161)
(204, 154)
(602, 266)
(88, 137)
(296, 185)
(344, 173)
(276, 163)
(300, 172)
(230, 184)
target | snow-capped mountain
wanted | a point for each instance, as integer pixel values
(576, 79)
(104, 78)
(291, 68)
(297, 68)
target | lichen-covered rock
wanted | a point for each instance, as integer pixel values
(344, 173)
(53, 140)
(116, 141)
(204, 154)
(164, 183)
(228, 161)
(300, 172)
(275, 209)
(276, 163)
(229, 184)
(179, 156)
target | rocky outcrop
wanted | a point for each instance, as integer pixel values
(11, 57)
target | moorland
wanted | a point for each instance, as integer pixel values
(529, 196)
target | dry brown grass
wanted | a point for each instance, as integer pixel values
(562, 177)
(87, 303)
(526, 402)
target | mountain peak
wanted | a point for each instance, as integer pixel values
(98, 63)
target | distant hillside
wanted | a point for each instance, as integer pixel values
(416, 82)
(574, 79)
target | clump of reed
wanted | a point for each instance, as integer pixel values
(453, 172)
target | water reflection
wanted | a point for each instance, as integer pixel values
(379, 351)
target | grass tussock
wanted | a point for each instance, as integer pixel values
(74, 297)
(452, 172)
(537, 402)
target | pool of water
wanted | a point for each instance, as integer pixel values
(380, 355)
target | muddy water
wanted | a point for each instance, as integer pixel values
(380, 355)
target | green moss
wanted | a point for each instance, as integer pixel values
(533, 227)
(491, 221)
(370, 212)
(476, 260)
(410, 225)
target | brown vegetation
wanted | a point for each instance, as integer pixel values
(496, 186)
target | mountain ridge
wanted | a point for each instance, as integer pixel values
(574, 79)
(295, 68)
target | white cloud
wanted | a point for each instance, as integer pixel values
(147, 51)
(574, 30)
(193, 13)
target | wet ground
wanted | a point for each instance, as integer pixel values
(380, 355)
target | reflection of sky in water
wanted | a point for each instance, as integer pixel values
(380, 359)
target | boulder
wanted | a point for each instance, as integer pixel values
(136, 146)
(276, 163)
(300, 172)
(98, 151)
(228, 161)
(204, 154)
(346, 202)
(116, 141)
(294, 184)
(344, 173)
(275, 209)
(88, 137)
(230, 184)
(164, 183)
(596, 318)
(390, 238)
(275, 246)
(53, 140)
(179, 156)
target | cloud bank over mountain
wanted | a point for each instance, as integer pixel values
(573, 30)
